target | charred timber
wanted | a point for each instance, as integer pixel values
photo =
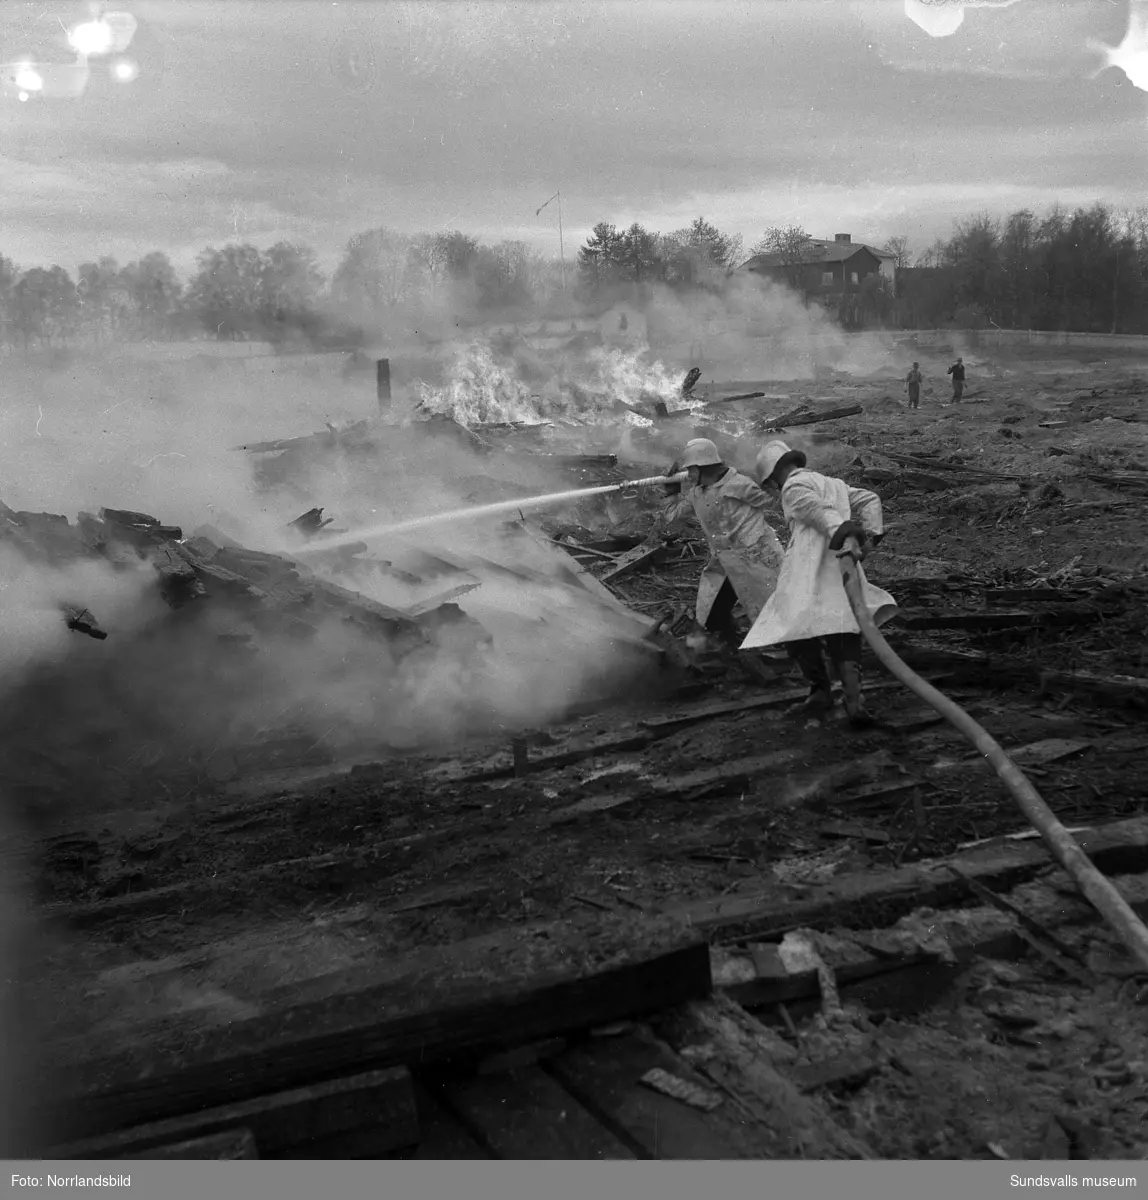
(792, 421)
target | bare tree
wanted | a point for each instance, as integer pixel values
(898, 247)
(378, 271)
(790, 245)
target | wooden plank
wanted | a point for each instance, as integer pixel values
(879, 898)
(850, 1070)
(695, 784)
(442, 1137)
(232, 1144)
(432, 602)
(316, 872)
(516, 986)
(526, 1114)
(994, 619)
(711, 711)
(637, 559)
(564, 758)
(579, 583)
(691, 785)
(980, 668)
(1033, 596)
(768, 700)
(1120, 688)
(604, 1075)
(380, 1100)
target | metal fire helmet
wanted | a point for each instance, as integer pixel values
(770, 457)
(701, 452)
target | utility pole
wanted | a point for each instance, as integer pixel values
(561, 241)
(561, 245)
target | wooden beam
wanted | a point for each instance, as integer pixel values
(792, 422)
(878, 898)
(505, 989)
(382, 1100)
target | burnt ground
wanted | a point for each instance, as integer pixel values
(164, 881)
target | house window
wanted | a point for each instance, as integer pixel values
(853, 277)
(826, 278)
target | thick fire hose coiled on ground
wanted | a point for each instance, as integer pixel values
(1094, 885)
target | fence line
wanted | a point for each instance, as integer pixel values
(1024, 337)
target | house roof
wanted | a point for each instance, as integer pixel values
(819, 251)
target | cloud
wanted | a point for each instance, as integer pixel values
(469, 115)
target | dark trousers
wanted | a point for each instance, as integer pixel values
(914, 395)
(720, 621)
(958, 388)
(810, 655)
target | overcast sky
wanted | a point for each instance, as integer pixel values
(248, 121)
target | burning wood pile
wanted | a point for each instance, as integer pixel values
(265, 591)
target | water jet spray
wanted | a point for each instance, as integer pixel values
(483, 510)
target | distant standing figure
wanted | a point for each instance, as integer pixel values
(913, 385)
(957, 371)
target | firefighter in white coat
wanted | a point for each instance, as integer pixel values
(809, 612)
(745, 552)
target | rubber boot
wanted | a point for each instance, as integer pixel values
(818, 703)
(855, 709)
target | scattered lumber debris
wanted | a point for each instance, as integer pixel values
(490, 993)
(274, 592)
(870, 899)
(939, 464)
(751, 1065)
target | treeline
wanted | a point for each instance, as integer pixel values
(1084, 270)
(621, 260)
(239, 292)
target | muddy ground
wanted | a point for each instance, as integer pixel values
(420, 853)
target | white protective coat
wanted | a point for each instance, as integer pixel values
(743, 545)
(810, 599)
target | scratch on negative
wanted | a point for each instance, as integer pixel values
(39, 419)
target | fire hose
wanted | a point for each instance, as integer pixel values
(1093, 884)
